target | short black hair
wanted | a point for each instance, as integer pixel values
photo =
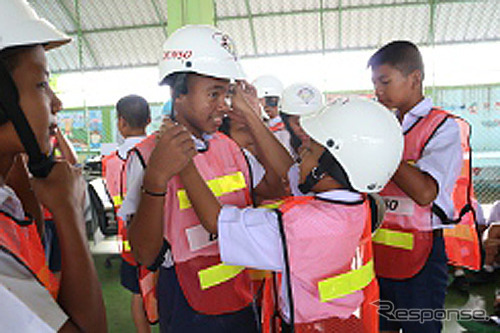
(9, 57)
(401, 54)
(135, 110)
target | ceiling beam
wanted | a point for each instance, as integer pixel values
(78, 33)
(162, 21)
(252, 29)
(339, 8)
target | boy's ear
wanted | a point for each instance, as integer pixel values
(416, 78)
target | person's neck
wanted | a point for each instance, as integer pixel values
(131, 134)
(407, 108)
(193, 130)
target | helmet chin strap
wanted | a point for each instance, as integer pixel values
(327, 164)
(312, 179)
(39, 164)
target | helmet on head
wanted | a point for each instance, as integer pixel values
(301, 99)
(364, 138)
(200, 49)
(20, 25)
(268, 86)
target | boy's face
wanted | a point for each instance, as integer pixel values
(36, 98)
(270, 105)
(394, 89)
(202, 108)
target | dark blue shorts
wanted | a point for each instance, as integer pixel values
(426, 290)
(129, 277)
(177, 316)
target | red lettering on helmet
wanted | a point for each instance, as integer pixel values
(177, 54)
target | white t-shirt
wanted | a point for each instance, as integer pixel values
(26, 306)
(441, 158)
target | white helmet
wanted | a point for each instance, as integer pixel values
(200, 49)
(268, 86)
(301, 99)
(363, 136)
(20, 25)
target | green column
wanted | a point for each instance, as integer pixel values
(183, 12)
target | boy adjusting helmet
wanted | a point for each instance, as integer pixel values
(364, 138)
(21, 26)
(200, 49)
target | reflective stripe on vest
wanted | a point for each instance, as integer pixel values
(398, 239)
(218, 274)
(461, 231)
(117, 200)
(219, 186)
(347, 283)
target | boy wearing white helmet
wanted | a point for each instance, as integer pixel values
(410, 256)
(269, 91)
(320, 241)
(27, 115)
(196, 292)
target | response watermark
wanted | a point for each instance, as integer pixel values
(387, 310)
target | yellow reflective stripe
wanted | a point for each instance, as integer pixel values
(217, 274)
(117, 200)
(399, 239)
(272, 205)
(347, 283)
(219, 186)
(459, 231)
(126, 246)
(411, 162)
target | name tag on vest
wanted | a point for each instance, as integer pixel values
(399, 205)
(199, 238)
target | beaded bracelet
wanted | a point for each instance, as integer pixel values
(153, 194)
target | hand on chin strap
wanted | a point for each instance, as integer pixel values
(327, 164)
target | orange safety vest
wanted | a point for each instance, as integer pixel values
(210, 286)
(113, 171)
(277, 127)
(20, 239)
(404, 242)
(330, 291)
(462, 241)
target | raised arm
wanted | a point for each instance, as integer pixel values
(62, 192)
(172, 152)
(269, 150)
(205, 204)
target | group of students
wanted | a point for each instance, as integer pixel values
(223, 230)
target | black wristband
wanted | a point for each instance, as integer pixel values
(153, 194)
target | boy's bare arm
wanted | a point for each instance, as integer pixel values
(62, 192)
(270, 151)
(418, 185)
(173, 150)
(205, 204)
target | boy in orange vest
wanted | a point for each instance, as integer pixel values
(316, 241)
(198, 63)
(133, 116)
(32, 298)
(410, 256)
